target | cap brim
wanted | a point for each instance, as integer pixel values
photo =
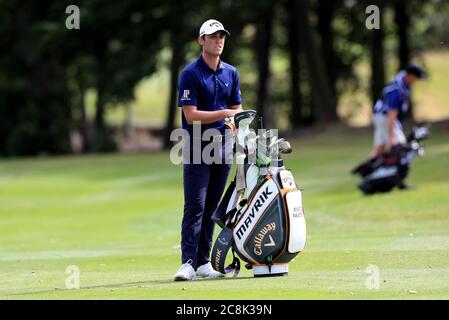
(224, 30)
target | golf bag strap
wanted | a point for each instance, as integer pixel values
(220, 251)
(220, 213)
(234, 266)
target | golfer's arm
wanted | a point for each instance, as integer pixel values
(192, 114)
(392, 116)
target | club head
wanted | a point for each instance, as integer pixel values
(414, 145)
(282, 145)
(285, 147)
(421, 133)
(251, 142)
(244, 118)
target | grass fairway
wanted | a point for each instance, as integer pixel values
(117, 218)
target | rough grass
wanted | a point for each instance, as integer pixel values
(117, 218)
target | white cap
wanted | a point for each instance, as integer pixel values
(211, 26)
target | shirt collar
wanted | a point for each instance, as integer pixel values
(406, 85)
(205, 67)
(400, 80)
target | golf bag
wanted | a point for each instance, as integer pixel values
(261, 212)
(388, 171)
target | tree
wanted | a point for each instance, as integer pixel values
(262, 48)
(402, 19)
(322, 97)
(292, 27)
(377, 61)
(36, 115)
(122, 42)
(178, 38)
(325, 12)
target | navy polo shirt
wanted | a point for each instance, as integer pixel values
(395, 96)
(208, 90)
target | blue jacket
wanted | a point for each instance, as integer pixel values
(395, 96)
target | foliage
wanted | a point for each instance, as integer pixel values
(46, 70)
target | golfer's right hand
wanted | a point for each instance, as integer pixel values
(232, 112)
(393, 141)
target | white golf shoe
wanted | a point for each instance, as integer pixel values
(206, 271)
(185, 272)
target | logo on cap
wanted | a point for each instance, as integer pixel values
(216, 23)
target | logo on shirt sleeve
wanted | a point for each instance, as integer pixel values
(185, 95)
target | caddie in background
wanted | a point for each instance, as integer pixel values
(209, 92)
(389, 110)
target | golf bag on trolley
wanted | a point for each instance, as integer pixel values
(261, 212)
(388, 171)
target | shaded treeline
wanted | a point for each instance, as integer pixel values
(46, 69)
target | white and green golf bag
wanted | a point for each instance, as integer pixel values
(261, 212)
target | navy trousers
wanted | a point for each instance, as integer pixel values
(203, 187)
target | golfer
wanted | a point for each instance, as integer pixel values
(390, 108)
(209, 92)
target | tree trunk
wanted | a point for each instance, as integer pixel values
(103, 136)
(176, 62)
(86, 138)
(129, 127)
(377, 62)
(323, 100)
(296, 118)
(402, 19)
(83, 125)
(263, 45)
(325, 13)
(99, 111)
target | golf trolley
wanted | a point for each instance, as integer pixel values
(261, 212)
(383, 173)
